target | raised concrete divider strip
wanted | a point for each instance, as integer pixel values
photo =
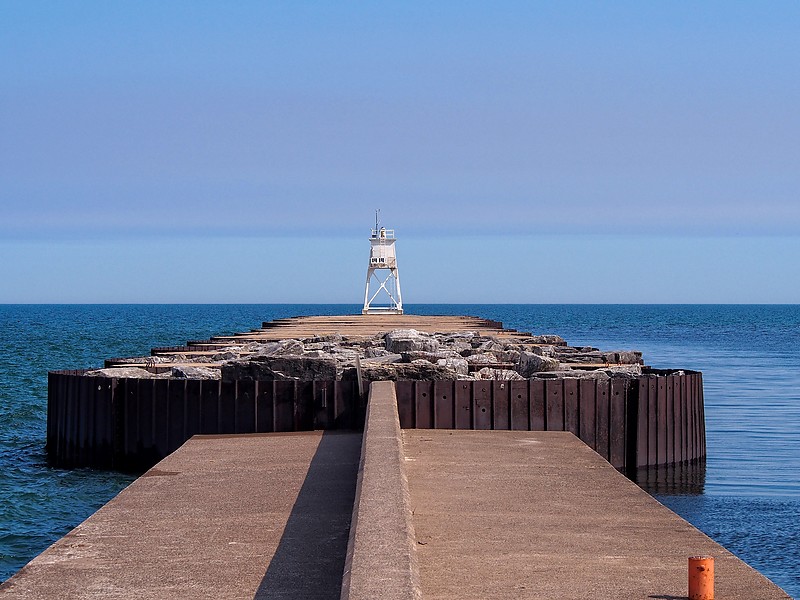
(381, 554)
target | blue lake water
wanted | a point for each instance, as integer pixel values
(748, 498)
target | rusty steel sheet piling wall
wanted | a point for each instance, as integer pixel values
(130, 424)
(653, 420)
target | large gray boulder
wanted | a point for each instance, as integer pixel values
(498, 374)
(460, 346)
(628, 357)
(373, 352)
(482, 344)
(331, 337)
(454, 336)
(345, 356)
(540, 350)
(382, 359)
(280, 368)
(530, 363)
(317, 354)
(139, 360)
(421, 370)
(281, 348)
(410, 340)
(570, 356)
(127, 373)
(200, 359)
(481, 359)
(625, 371)
(459, 365)
(431, 357)
(570, 374)
(186, 372)
(506, 356)
(623, 357)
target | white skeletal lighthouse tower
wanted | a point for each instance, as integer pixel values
(383, 277)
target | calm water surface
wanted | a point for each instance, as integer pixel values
(748, 498)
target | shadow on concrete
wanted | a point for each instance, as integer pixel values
(310, 558)
(668, 597)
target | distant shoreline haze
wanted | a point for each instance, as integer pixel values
(539, 269)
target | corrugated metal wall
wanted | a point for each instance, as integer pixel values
(652, 420)
(130, 424)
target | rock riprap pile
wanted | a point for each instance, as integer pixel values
(396, 355)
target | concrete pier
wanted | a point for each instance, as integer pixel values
(486, 514)
(128, 421)
(253, 516)
(540, 515)
(496, 489)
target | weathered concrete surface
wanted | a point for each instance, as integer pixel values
(381, 559)
(540, 515)
(263, 516)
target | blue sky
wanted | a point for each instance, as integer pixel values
(523, 151)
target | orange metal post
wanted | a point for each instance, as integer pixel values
(701, 578)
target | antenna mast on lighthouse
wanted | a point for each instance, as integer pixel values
(383, 275)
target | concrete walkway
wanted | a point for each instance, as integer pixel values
(503, 514)
(264, 516)
(435, 514)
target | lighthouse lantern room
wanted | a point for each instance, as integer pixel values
(382, 294)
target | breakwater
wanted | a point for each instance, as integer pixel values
(631, 415)
(655, 419)
(746, 353)
(429, 513)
